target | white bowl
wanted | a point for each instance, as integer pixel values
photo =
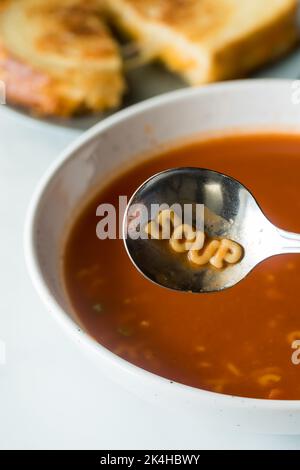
(87, 164)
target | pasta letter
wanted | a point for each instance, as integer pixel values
(229, 251)
(185, 238)
(202, 257)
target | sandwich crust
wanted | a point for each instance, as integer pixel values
(58, 58)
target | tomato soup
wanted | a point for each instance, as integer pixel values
(238, 342)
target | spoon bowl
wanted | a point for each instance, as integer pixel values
(230, 211)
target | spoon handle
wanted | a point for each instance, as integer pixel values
(290, 242)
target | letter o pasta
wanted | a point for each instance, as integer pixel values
(185, 238)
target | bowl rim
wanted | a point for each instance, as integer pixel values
(68, 324)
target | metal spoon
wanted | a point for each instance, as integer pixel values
(231, 212)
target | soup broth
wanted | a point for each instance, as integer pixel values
(237, 342)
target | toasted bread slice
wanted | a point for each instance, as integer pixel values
(58, 57)
(208, 40)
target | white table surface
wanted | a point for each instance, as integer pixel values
(51, 394)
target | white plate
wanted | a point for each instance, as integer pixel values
(152, 80)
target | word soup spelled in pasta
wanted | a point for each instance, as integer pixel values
(185, 239)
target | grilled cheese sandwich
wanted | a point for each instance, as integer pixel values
(209, 40)
(58, 57)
